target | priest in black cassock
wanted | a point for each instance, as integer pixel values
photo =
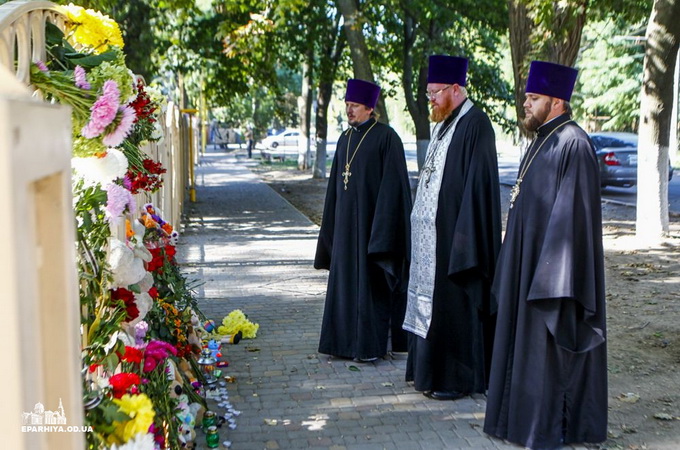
(364, 236)
(456, 236)
(548, 384)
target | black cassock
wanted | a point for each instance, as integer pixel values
(548, 382)
(456, 354)
(364, 242)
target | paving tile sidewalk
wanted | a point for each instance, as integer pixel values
(254, 251)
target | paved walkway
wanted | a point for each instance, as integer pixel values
(254, 252)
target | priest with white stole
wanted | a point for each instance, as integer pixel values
(456, 235)
(364, 236)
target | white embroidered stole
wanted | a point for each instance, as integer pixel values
(424, 232)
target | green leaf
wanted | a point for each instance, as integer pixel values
(53, 35)
(112, 414)
(93, 60)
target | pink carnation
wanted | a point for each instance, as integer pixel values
(80, 79)
(156, 352)
(118, 199)
(127, 119)
(41, 65)
(103, 111)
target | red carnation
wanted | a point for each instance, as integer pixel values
(142, 104)
(170, 251)
(128, 299)
(121, 382)
(133, 355)
(157, 260)
(153, 167)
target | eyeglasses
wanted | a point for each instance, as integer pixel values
(432, 95)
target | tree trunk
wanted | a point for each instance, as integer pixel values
(328, 67)
(520, 45)
(304, 154)
(322, 100)
(673, 149)
(416, 102)
(663, 34)
(361, 62)
(557, 41)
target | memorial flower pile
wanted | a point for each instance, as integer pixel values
(138, 311)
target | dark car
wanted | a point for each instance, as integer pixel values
(617, 157)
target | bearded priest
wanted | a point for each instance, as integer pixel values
(548, 383)
(456, 235)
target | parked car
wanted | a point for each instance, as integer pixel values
(280, 146)
(617, 157)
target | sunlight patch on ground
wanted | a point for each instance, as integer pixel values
(634, 242)
(316, 423)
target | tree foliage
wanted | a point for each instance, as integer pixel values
(407, 32)
(608, 91)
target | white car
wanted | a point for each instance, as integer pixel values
(280, 146)
(287, 138)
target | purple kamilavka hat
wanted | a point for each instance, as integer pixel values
(363, 92)
(447, 70)
(553, 80)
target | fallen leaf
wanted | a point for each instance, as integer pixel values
(628, 430)
(388, 384)
(663, 416)
(354, 368)
(629, 397)
(271, 422)
(252, 349)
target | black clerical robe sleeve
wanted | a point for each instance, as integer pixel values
(476, 236)
(324, 245)
(389, 243)
(477, 231)
(568, 283)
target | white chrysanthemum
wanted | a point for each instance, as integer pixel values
(104, 170)
(157, 133)
(141, 441)
(127, 268)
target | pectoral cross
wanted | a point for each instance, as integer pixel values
(346, 174)
(514, 192)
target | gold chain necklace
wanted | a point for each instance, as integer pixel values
(514, 192)
(429, 167)
(348, 161)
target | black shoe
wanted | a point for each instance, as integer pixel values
(366, 360)
(444, 395)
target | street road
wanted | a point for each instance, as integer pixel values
(508, 163)
(507, 167)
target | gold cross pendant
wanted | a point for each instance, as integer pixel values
(346, 174)
(514, 192)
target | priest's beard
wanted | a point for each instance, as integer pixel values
(441, 111)
(535, 120)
